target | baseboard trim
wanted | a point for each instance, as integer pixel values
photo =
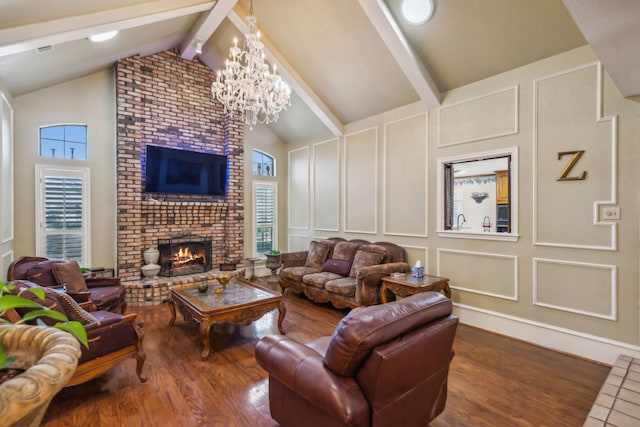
(553, 337)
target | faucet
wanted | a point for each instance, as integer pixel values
(458, 221)
(486, 224)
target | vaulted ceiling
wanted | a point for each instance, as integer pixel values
(344, 59)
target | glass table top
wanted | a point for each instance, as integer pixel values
(235, 294)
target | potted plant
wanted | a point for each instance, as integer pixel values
(35, 361)
(273, 263)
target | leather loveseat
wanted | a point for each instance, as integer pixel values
(346, 273)
(384, 365)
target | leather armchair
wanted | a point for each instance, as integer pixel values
(106, 293)
(384, 365)
(112, 337)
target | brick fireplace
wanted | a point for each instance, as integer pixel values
(166, 101)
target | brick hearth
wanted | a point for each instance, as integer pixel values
(166, 101)
(150, 291)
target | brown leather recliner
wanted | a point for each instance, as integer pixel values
(106, 293)
(385, 365)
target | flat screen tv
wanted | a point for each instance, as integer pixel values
(185, 172)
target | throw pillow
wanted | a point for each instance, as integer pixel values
(317, 254)
(365, 258)
(69, 273)
(345, 250)
(42, 273)
(337, 266)
(73, 309)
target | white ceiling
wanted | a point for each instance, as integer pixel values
(345, 59)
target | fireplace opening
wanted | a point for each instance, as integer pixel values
(184, 254)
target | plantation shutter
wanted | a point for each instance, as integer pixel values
(265, 217)
(63, 215)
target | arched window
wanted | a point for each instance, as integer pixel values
(64, 141)
(263, 164)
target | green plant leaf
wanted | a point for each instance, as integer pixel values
(76, 329)
(45, 312)
(14, 301)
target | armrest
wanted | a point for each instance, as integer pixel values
(80, 297)
(106, 318)
(293, 259)
(300, 369)
(369, 280)
(98, 282)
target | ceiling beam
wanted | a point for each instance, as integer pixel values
(293, 79)
(33, 36)
(382, 20)
(204, 28)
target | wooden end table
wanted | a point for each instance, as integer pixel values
(240, 304)
(409, 285)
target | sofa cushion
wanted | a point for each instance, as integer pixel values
(69, 274)
(296, 273)
(345, 250)
(42, 273)
(366, 256)
(341, 267)
(343, 286)
(317, 280)
(317, 255)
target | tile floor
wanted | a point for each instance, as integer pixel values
(618, 403)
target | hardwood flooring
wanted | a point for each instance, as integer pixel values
(493, 380)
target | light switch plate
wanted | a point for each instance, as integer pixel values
(612, 212)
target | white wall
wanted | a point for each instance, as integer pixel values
(569, 280)
(89, 100)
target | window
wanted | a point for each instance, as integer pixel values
(265, 221)
(478, 195)
(62, 219)
(64, 141)
(263, 164)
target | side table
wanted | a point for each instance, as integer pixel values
(409, 285)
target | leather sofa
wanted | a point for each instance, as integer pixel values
(346, 273)
(112, 337)
(106, 293)
(384, 365)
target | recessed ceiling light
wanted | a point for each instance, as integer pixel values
(103, 37)
(417, 12)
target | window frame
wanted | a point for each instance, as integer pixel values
(274, 186)
(84, 173)
(444, 228)
(253, 153)
(65, 141)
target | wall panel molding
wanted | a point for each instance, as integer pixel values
(297, 242)
(609, 312)
(492, 275)
(360, 183)
(539, 209)
(298, 200)
(406, 167)
(484, 109)
(326, 188)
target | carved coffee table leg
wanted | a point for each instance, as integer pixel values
(205, 328)
(282, 310)
(172, 307)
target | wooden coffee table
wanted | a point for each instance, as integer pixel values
(409, 285)
(241, 303)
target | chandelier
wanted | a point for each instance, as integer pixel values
(246, 87)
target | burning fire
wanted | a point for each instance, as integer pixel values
(184, 255)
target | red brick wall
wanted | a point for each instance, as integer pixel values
(166, 101)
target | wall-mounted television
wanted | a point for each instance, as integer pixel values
(173, 171)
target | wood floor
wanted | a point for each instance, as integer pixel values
(493, 381)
